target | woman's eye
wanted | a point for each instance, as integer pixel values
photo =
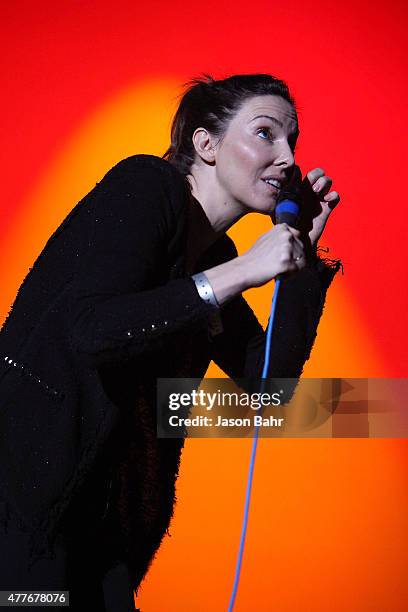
(265, 131)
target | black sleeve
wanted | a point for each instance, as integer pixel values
(239, 350)
(122, 304)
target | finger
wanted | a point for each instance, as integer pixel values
(314, 174)
(332, 198)
(287, 230)
(295, 240)
(323, 185)
(298, 246)
(293, 231)
(283, 228)
(299, 260)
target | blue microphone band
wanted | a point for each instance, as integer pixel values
(287, 206)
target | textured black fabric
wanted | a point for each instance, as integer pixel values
(86, 562)
(105, 310)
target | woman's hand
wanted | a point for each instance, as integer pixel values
(279, 251)
(318, 203)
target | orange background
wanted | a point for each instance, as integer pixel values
(86, 84)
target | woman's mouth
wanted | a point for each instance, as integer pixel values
(273, 185)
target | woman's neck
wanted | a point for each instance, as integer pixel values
(221, 212)
(200, 234)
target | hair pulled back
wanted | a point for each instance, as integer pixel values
(211, 104)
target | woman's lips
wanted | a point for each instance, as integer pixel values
(271, 187)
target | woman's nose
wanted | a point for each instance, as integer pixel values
(285, 156)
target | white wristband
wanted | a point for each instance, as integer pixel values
(204, 289)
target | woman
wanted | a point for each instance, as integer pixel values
(114, 302)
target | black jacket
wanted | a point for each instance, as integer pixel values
(105, 310)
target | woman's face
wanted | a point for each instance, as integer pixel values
(259, 144)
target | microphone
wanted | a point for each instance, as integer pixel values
(287, 210)
(288, 205)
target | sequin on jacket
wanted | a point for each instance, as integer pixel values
(106, 309)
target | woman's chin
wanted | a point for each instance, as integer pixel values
(270, 205)
(261, 204)
(265, 210)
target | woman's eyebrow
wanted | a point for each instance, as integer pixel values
(268, 117)
(295, 131)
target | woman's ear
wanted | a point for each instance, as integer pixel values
(204, 145)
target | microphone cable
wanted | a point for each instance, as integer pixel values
(286, 211)
(253, 452)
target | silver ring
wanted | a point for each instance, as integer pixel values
(298, 257)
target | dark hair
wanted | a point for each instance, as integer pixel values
(212, 104)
